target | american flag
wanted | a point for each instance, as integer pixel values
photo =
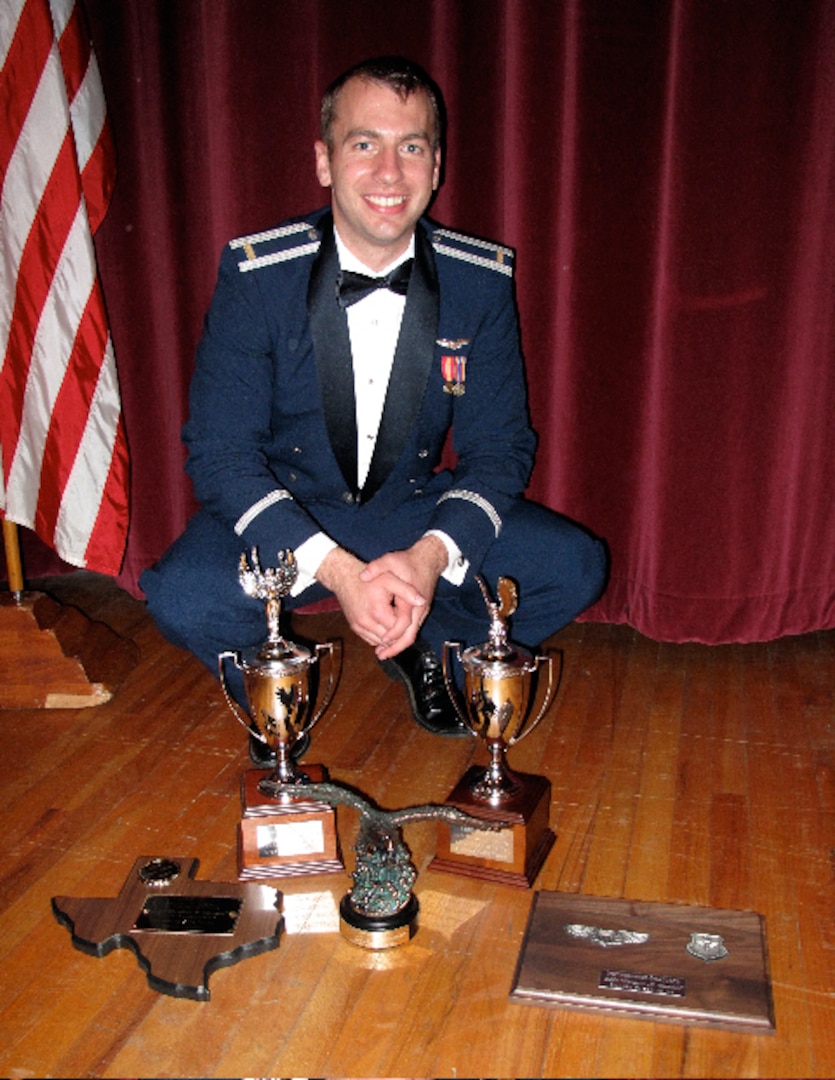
(65, 470)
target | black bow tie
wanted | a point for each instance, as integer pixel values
(352, 287)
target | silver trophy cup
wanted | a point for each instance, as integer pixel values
(497, 687)
(497, 706)
(277, 674)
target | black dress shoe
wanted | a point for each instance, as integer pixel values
(419, 669)
(261, 755)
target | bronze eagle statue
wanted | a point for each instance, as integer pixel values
(384, 874)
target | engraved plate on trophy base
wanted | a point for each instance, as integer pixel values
(513, 855)
(668, 962)
(285, 838)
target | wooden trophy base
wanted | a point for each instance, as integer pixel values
(278, 838)
(513, 855)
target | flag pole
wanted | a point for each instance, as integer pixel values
(14, 566)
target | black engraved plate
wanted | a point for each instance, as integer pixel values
(189, 914)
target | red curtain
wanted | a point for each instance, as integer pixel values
(665, 170)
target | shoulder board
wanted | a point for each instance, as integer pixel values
(472, 250)
(276, 245)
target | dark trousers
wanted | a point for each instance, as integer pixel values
(197, 602)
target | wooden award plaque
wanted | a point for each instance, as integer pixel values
(280, 838)
(181, 930)
(513, 855)
(665, 962)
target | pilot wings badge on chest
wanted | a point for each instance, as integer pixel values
(454, 367)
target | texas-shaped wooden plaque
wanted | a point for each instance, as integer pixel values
(180, 929)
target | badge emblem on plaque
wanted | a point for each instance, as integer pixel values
(707, 947)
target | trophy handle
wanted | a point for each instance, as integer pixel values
(549, 694)
(324, 647)
(230, 701)
(449, 683)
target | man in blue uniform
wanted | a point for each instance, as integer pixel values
(339, 351)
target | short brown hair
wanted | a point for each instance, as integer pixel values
(403, 76)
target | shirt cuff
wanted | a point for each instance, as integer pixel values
(457, 565)
(309, 557)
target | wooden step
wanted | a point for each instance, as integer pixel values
(52, 656)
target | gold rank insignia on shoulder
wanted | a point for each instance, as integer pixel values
(471, 249)
(454, 371)
(278, 245)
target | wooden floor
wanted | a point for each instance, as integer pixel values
(683, 774)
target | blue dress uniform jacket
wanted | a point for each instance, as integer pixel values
(271, 433)
(272, 444)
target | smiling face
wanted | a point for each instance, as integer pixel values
(382, 167)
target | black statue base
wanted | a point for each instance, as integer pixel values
(378, 931)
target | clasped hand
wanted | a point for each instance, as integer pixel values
(386, 600)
